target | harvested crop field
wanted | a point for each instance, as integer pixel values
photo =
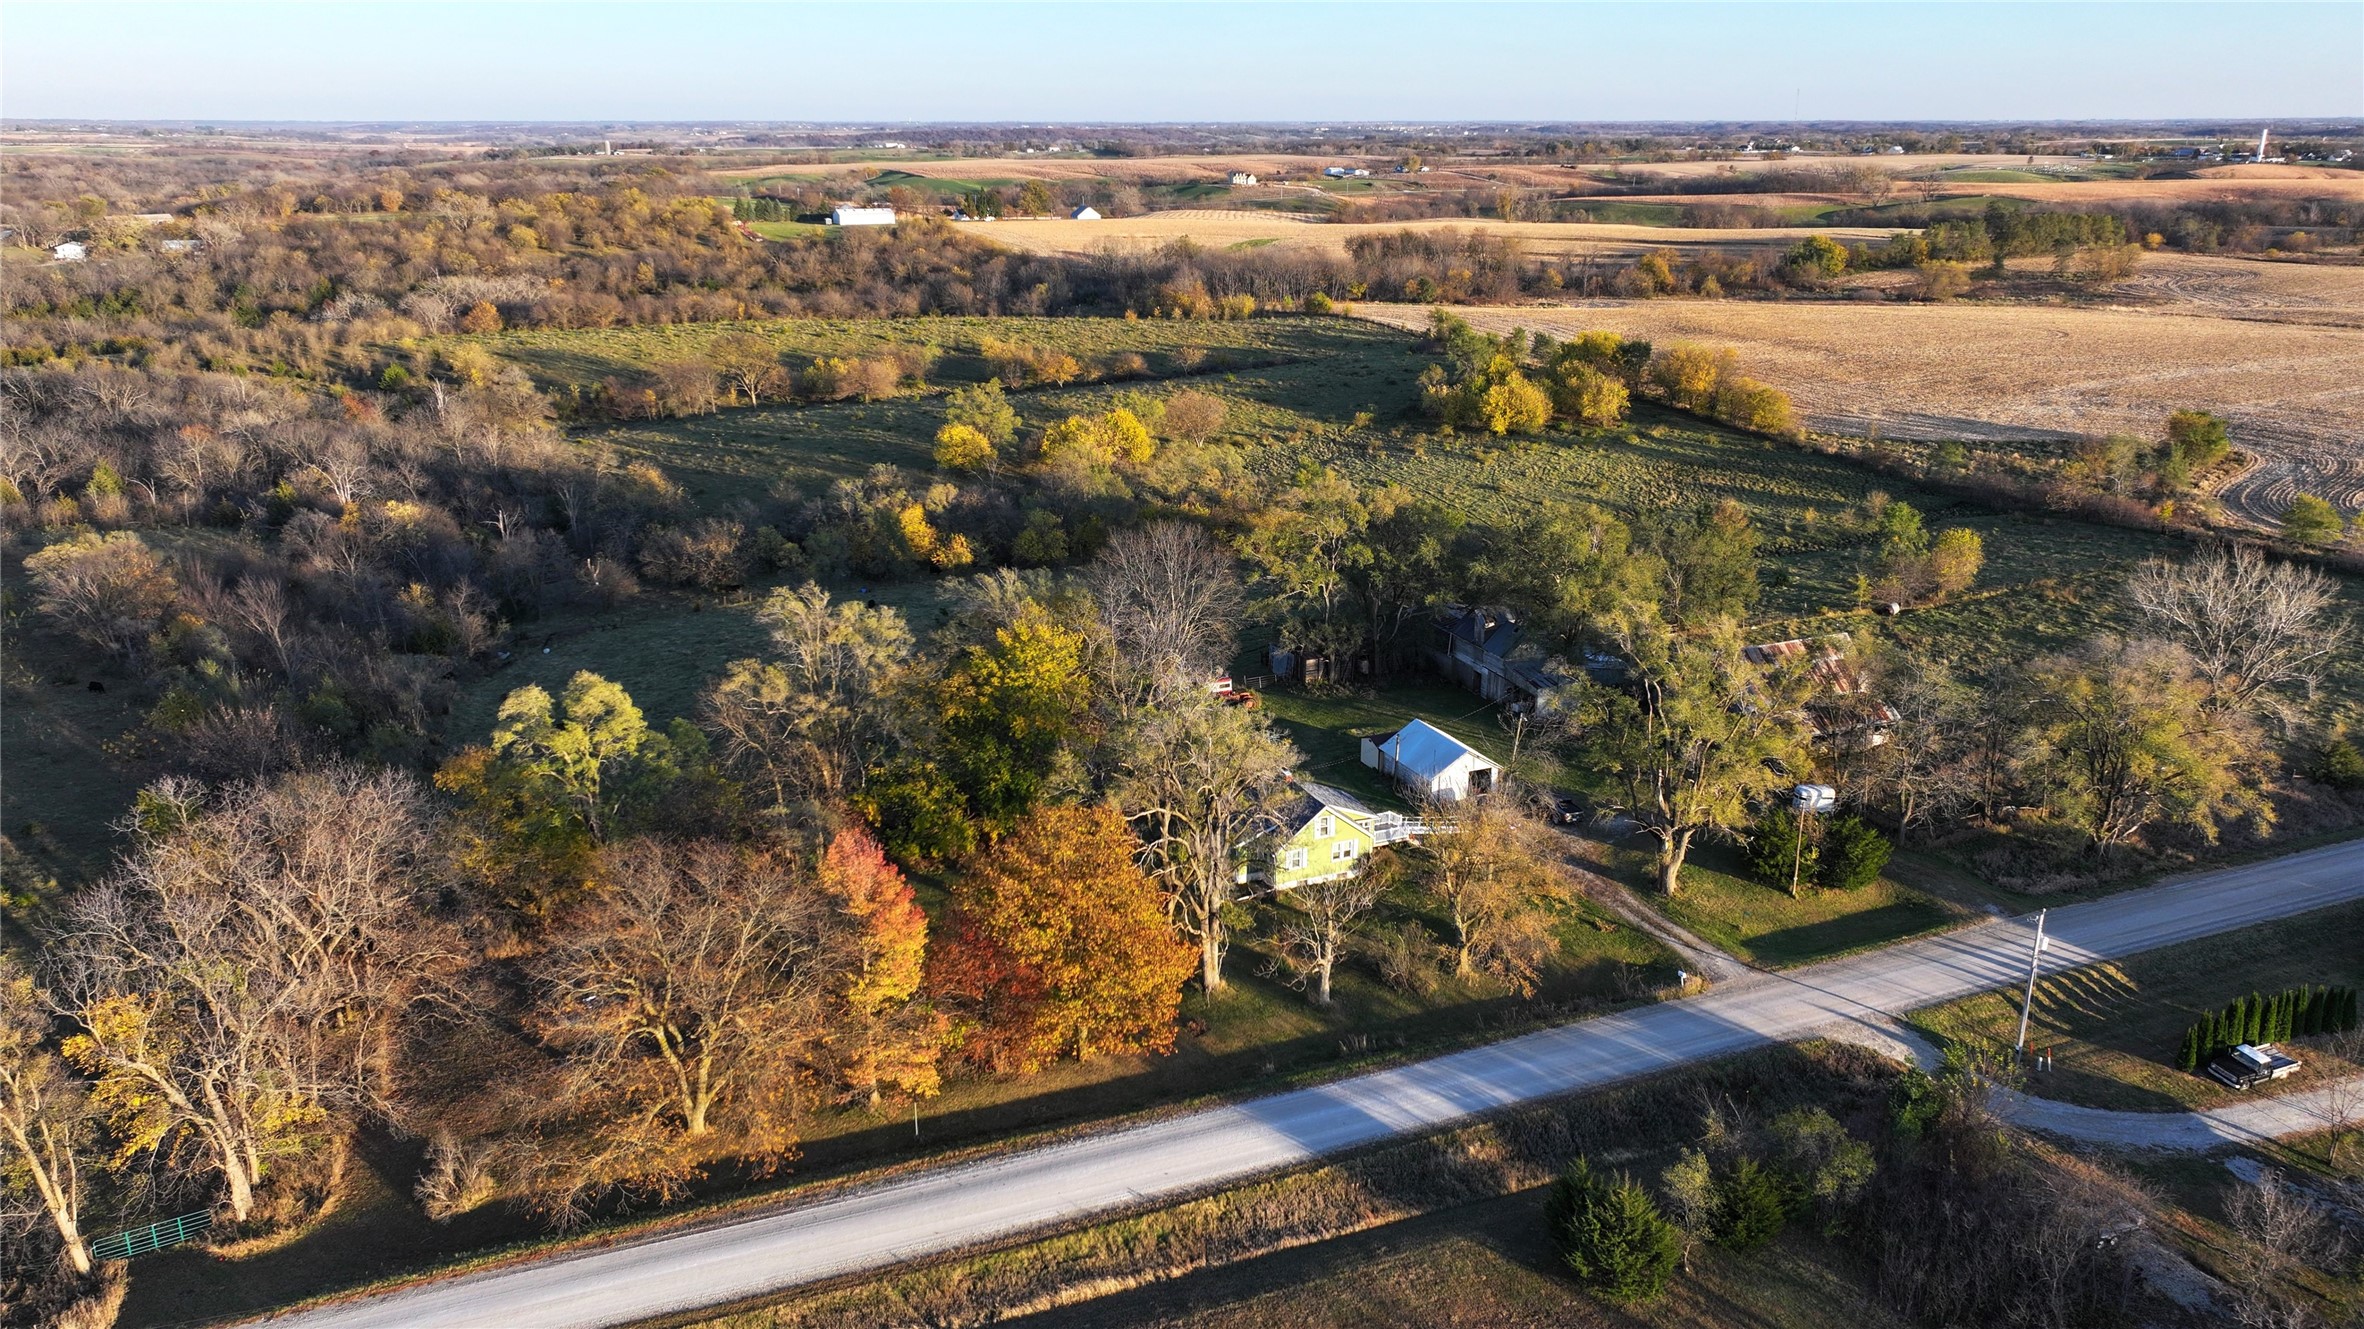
(2280, 291)
(1900, 163)
(1219, 229)
(1142, 170)
(2019, 372)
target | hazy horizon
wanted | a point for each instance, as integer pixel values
(1182, 64)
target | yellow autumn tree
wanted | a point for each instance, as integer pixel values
(964, 448)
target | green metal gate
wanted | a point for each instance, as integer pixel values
(154, 1237)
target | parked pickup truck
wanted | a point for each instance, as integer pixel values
(2249, 1065)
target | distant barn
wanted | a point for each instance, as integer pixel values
(1085, 214)
(861, 216)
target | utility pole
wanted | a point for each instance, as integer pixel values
(1797, 855)
(2035, 957)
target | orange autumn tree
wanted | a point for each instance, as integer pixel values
(1058, 946)
(886, 1036)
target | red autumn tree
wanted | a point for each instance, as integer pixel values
(1057, 946)
(886, 1037)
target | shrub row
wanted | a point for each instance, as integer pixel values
(2289, 1013)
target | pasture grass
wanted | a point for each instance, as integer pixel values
(2115, 1028)
(786, 230)
(563, 358)
(663, 648)
(75, 758)
(1621, 214)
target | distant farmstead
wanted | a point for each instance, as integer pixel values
(1242, 179)
(861, 216)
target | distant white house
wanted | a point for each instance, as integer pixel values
(1430, 763)
(1242, 179)
(1085, 214)
(849, 216)
(71, 251)
(1342, 172)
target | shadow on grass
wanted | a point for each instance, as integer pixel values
(1833, 936)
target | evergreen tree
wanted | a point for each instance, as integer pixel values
(1775, 851)
(1611, 1234)
(1753, 1207)
(1853, 853)
(2189, 1058)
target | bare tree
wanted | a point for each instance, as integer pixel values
(1921, 769)
(1170, 600)
(1313, 939)
(697, 979)
(239, 981)
(1492, 875)
(259, 607)
(1198, 776)
(2342, 1098)
(45, 1118)
(2257, 629)
(2281, 1231)
(747, 362)
(106, 590)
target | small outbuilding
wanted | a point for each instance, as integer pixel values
(852, 216)
(1084, 214)
(71, 251)
(1430, 763)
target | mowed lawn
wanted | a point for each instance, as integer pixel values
(1763, 925)
(2114, 1029)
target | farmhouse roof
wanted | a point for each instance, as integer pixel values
(1826, 660)
(1425, 752)
(1313, 799)
(1467, 625)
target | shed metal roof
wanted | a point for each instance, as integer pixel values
(1426, 751)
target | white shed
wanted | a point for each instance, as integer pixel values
(849, 216)
(1432, 763)
(1085, 214)
(72, 251)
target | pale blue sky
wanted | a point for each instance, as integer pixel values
(1135, 62)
